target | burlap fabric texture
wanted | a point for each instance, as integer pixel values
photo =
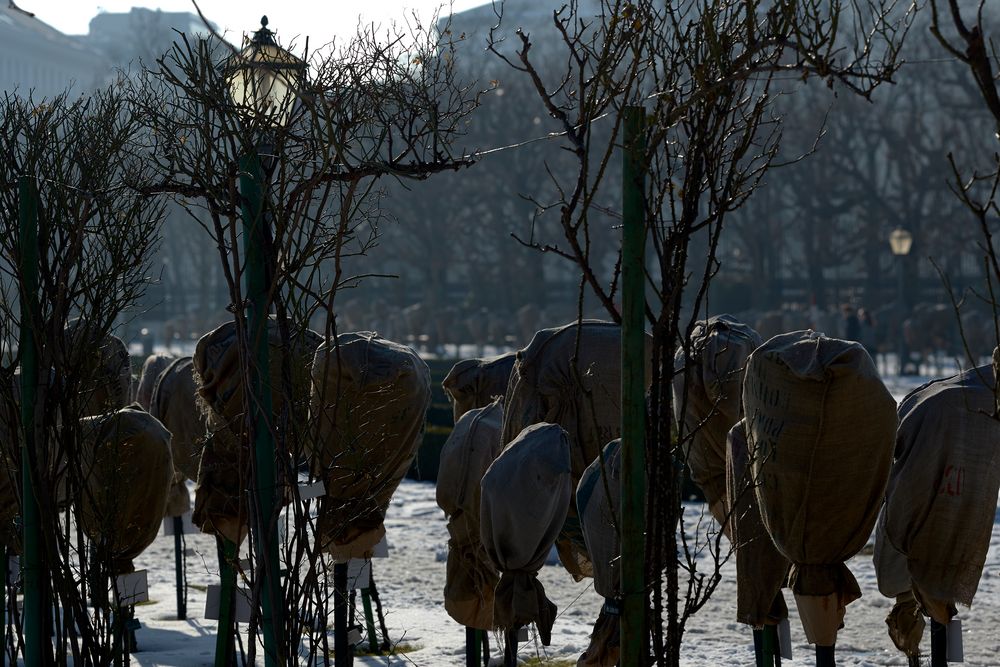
(370, 397)
(174, 403)
(475, 383)
(761, 570)
(103, 362)
(471, 576)
(526, 494)
(224, 469)
(598, 499)
(127, 474)
(820, 431)
(569, 376)
(718, 349)
(940, 505)
(151, 369)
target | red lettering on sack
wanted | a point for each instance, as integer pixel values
(951, 481)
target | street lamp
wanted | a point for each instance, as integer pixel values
(264, 82)
(900, 241)
(265, 79)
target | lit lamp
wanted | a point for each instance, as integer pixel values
(264, 82)
(900, 241)
(265, 79)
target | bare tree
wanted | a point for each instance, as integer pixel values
(705, 73)
(380, 107)
(96, 234)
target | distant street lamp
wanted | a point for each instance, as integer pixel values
(900, 241)
(264, 83)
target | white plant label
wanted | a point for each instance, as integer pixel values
(785, 639)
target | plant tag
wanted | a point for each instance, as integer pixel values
(354, 636)
(132, 588)
(359, 573)
(310, 491)
(955, 651)
(241, 603)
(190, 552)
(244, 564)
(381, 549)
(785, 639)
(187, 526)
(522, 635)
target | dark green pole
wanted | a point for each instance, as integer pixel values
(34, 605)
(633, 490)
(255, 267)
(366, 601)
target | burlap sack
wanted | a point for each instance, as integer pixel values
(605, 640)
(761, 569)
(178, 499)
(174, 403)
(526, 494)
(906, 624)
(370, 397)
(224, 469)
(471, 576)
(217, 367)
(719, 348)
(942, 495)
(109, 374)
(220, 497)
(127, 474)
(598, 499)
(820, 429)
(474, 383)
(151, 369)
(569, 376)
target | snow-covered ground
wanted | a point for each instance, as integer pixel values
(411, 581)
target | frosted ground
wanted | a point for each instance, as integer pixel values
(411, 581)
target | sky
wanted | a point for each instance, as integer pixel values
(320, 20)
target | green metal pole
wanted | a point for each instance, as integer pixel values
(633, 490)
(366, 601)
(251, 184)
(34, 604)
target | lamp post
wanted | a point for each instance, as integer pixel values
(900, 241)
(264, 80)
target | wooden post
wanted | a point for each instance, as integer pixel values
(343, 656)
(225, 638)
(826, 656)
(939, 644)
(510, 647)
(473, 650)
(179, 568)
